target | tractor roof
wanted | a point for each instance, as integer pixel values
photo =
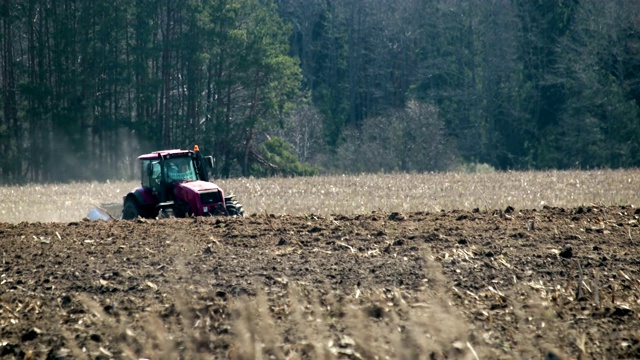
(157, 154)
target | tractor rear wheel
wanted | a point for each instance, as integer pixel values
(130, 210)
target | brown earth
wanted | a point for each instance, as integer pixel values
(478, 284)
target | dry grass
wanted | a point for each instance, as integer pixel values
(296, 321)
(324, 324)
(57, 202)
(352, 194)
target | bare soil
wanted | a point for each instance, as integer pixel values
(510, 283)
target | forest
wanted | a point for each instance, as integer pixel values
(293, 88)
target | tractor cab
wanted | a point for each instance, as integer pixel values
(162, 171)
(175, 169)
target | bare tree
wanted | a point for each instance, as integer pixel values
(408, 140)
(303, 130)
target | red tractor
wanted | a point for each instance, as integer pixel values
(177, 181)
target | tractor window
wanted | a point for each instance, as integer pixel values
(151, 173)
(180, 169)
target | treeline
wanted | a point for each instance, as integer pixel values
(297, 87)
(89, 85)
(514, 84)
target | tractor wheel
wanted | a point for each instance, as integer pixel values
(182, 210)
(130, 210)
(234, 208)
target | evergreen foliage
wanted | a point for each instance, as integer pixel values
(281, 160)
(346, 86)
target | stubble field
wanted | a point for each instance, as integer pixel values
(501, 265)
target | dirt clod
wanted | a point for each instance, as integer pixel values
(621, 311)
(32, 334)
(375, 311)
(566, 252)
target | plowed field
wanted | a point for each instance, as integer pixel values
(512, 283)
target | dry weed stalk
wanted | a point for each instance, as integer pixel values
(580, 283)
(248, 345)
(596, 287)
(312, 344)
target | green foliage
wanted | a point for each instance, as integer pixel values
(513, 84)
(253, 82)
(600, 122)
(280, 154)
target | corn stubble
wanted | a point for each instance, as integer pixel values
(351, 194)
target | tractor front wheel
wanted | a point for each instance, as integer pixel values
(233, 207)
(182, 210)
(130, 210)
